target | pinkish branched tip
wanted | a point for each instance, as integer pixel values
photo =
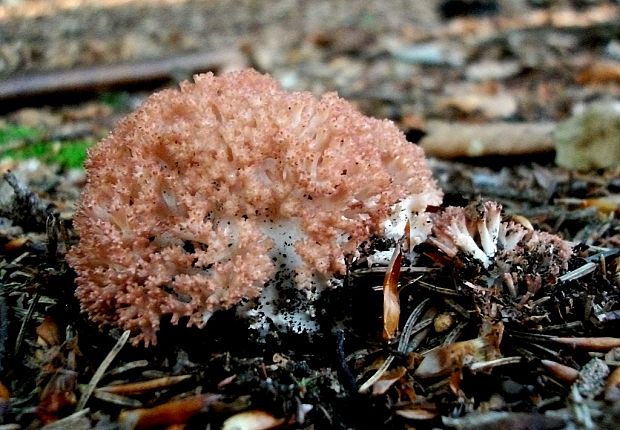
(515, 253)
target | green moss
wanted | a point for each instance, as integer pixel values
(18, 132)
(73, 154)
(67, 154)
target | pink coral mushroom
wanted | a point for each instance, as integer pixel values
(204, 193)
(512, 253)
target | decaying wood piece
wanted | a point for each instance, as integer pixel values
(114, 75)
(453, 140)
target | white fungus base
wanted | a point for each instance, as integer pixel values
(274, 306)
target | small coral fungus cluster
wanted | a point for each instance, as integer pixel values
(208, 191)
(511, 258)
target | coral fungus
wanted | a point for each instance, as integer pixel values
(208, 191)
(515, 256)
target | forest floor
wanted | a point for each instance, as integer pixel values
(516, 102)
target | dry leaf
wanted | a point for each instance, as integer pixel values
(387, 380)
(612, 388)
(174, 412)
(450, 358)
(15, 244)
(391, 302)
(417, 413)
(224, 382)
(560, 371)
(48, 332)
(5, 394)
(252, 420)
(601, 72)
(58, 396)
(605, 205)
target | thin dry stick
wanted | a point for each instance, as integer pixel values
(403, 342)
(22, 328)
(584, 270)
(128, 366)
(117, 399)
(101, 370)
(486, 365)
(377, 375)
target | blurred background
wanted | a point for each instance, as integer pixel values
(390, 56)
